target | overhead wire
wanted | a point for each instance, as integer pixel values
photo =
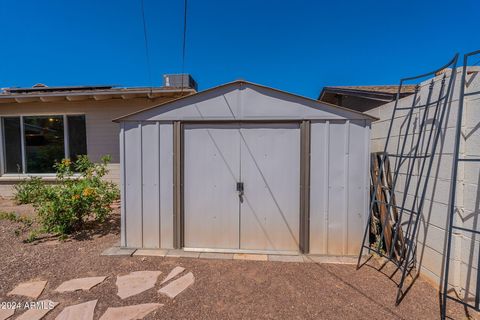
(185, 4)
(147, 53)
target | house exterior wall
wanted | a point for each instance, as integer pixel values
(339, 164)
(432, 228)
(102, 133)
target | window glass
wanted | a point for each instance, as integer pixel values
(13, 145)
(44, 143)
(77, 136)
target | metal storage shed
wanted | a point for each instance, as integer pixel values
(243, 167)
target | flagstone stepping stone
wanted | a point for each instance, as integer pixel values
(39, 311)
(136, 282)
(32, 289)
(175, 272)
(175, 287)
(6, 313)
(138, 311)
(79, 284)
(82, 311)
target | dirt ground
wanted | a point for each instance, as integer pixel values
(223, 289)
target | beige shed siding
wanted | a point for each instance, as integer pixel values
(102, 133)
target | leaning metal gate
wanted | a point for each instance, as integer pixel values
(420, 126)
(452, 208)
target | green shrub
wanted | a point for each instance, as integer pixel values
(28, 190)
(32, 236)
(78, 195)
(12, 216)
(26, 222)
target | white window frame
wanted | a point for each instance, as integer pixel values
(66, 140)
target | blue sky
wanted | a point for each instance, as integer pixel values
(298, 46)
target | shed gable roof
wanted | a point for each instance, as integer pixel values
(242, 100)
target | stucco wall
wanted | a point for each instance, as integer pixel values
(102, 133)
(432, 234)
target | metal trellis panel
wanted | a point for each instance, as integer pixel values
(412, 161)
(452, 202)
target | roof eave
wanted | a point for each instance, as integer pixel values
(381, 96)
(95, 95)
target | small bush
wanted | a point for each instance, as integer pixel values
(12, 216)
(26, 222)
(79, 195)
(32, 236)
(28, 190)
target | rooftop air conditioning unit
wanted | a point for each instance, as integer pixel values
(179, 81)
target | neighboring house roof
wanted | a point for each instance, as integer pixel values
(379, 91)
(367, 97)
(42, 93)
(239, 82)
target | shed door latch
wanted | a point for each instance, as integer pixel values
(240, 190)
(240, 187)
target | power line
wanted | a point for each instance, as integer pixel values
(184, 36)
(147, 54)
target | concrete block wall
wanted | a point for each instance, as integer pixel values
(431, 248)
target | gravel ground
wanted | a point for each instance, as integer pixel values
(223, 289)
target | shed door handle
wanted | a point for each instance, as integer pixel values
(240, 187)
(240, 191)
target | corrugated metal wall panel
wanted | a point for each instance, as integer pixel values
(150, 186)
(147, 184)
(123, 240)
(133, 184)
(165, 146)
(319, 187)
(357, 186)
(338, 186)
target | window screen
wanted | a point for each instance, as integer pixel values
(44, 143)
(44, 138)
(77, 136)
(13, 145)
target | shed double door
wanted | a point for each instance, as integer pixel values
(242, 186)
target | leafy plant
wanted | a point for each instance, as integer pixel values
(25, 222)
(32, 236)
(12, 216)
(28, 190)
(79, 195)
